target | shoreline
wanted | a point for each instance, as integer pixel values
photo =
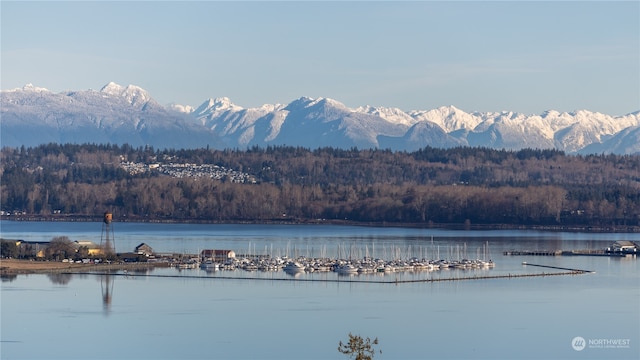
(12, 267)
(558, 228)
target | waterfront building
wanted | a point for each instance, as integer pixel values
(93, 248)
(623, 246)
(144, 249)
(219, 256)
(31, 248)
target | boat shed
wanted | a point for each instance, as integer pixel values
(623, 246)
(143, 249)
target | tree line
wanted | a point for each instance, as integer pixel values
(461, 185)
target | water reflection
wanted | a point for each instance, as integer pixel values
(106, 284)
(141, 270)
(8, 277)
(60, 279)
(293, 272)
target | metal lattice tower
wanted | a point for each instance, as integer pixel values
(107, 240)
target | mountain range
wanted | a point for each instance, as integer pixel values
(117, 114)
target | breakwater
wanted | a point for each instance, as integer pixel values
(348, 279)
(557, 267)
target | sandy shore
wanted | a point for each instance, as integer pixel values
(14, 266)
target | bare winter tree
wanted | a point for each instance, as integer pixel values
(60, 247)
(358, 348)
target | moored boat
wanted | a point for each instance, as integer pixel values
(293, 267)
(209, 265)
(347, 269)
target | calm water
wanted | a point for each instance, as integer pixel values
(193, 314)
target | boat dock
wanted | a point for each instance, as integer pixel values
(584, 252)
(534, 252)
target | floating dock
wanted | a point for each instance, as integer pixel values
(562, 253)
(533, 252)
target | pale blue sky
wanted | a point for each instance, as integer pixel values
(478, 56)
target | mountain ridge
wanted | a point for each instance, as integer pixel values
(119, 114)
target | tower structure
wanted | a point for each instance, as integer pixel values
(107, 240)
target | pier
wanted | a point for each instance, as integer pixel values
(584, 252)
(534, 252)
(560, 268)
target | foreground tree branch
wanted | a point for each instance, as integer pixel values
(359, 348)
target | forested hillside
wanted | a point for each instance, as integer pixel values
(463, 186)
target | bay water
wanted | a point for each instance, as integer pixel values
(194, 314)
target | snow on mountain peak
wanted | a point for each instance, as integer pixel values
(300, 103)
(134, 95)
(448, 118)
(215, 106)
(328, 101)
(336, 103)
(112, 89)
(28, 88)
(308, 102)
(550, 114)
(222, 102)
(392, 115)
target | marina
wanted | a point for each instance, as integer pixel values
(304, 264)
(354, 261)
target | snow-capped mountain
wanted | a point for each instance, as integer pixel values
(449, 118)
(626, 141)
(418, 136)
(134, 95)
(31, 116)
(119, 114)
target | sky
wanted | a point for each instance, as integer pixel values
(521, 56)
